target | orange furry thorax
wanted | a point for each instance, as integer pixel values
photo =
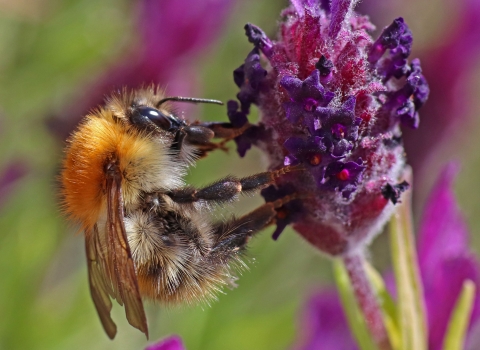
(98, 139)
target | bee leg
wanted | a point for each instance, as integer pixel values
(198, 136)
(201, 135)
(226, 189)
(233, 235)
(225, 130)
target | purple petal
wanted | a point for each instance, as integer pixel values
(287, 213)
(259, 39)
(344, 176)
(293, 86)
(340, 9)
(442, 287)
(422, 90)
(444, 257)
(312, 87)
(251, 136)
(236, 117)
(394, 36)
(173, 342)
(249, 77)
(293, 111)
(323, 325)
(443, 232)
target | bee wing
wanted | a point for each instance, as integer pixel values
(110, 265)
(99, 288)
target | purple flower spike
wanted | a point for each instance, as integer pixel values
(171, 343)
(248, 78)
(328, 105)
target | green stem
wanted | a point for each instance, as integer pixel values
(411, 308)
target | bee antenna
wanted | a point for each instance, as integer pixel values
(188, 99)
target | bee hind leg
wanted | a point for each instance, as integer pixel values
(234, 235)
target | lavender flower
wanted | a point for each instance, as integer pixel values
(445, 262)
(332, 101)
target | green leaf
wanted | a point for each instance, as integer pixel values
(387, 304)
(411, 308)
(355, 317)
(458, 325)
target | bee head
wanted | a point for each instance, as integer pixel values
(149, 118)
(145, 117)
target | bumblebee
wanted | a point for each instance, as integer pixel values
(147, 234)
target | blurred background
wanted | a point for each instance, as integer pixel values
(58, 58)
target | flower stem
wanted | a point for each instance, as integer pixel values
(367, 299)
(340, 11)
(411, 315)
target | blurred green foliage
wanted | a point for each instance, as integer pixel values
(50, 51)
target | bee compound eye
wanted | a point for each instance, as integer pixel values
(154, 115)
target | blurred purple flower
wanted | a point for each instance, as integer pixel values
(451, 99)
(9, 176)
(444, 257)
(332, 100)
(170, 35)
(323, 325)
(173, 342)
(445, 262)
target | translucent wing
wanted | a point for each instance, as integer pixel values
(110, 266)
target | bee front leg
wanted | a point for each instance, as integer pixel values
(201, 135)
(226, 131)
(226, 189)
